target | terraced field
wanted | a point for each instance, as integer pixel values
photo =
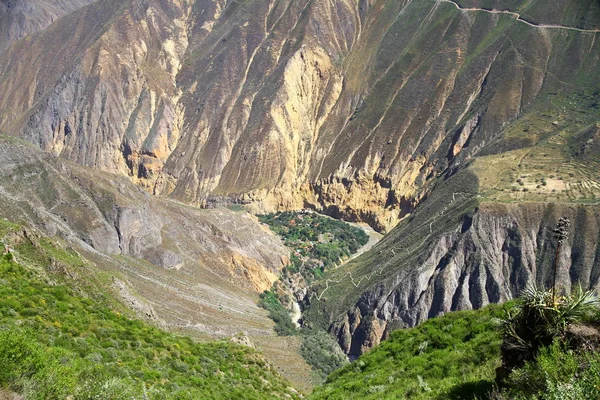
(550, 154)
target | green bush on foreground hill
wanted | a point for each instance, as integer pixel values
(449, 357)
(550, 348)
(456, 356)
(56, 343)
(541, 318)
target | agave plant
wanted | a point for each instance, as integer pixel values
(539, 318)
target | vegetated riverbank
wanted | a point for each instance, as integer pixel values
(317, 243)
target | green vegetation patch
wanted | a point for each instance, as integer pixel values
(450, 357)
(284, 326)
(317, 242)
(556, 374)
(543, 349)
(408, 245)
(58, 342)
(319, 349)
(322, 352)
(550, 348)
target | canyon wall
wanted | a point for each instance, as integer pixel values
(489, 258)
(350, 107)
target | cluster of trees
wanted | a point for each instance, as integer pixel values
(317, 242)
(318, 348)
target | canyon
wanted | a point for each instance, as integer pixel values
(147, 133)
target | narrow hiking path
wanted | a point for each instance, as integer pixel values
(517, 16)
(374, 238)
(380, 269)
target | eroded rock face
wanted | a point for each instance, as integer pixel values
(489, 258)
(350, 107)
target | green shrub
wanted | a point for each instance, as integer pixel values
(284, 326)
(557, 373)
(538, 354)
(537, 320)
(20, 357)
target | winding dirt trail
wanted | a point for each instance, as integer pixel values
(517, 16)
(380, 269)
(374, 238)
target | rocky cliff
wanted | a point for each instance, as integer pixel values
(350, 107)
(489, 258)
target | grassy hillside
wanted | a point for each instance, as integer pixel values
(455, 357)
(450, 357)
(59, 337)
(196, 271)
(548, 154)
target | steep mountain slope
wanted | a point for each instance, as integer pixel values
(450, 357)
(107, 214)
(19, 18)
(350, 107)
(193, 271)
(481, 237)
